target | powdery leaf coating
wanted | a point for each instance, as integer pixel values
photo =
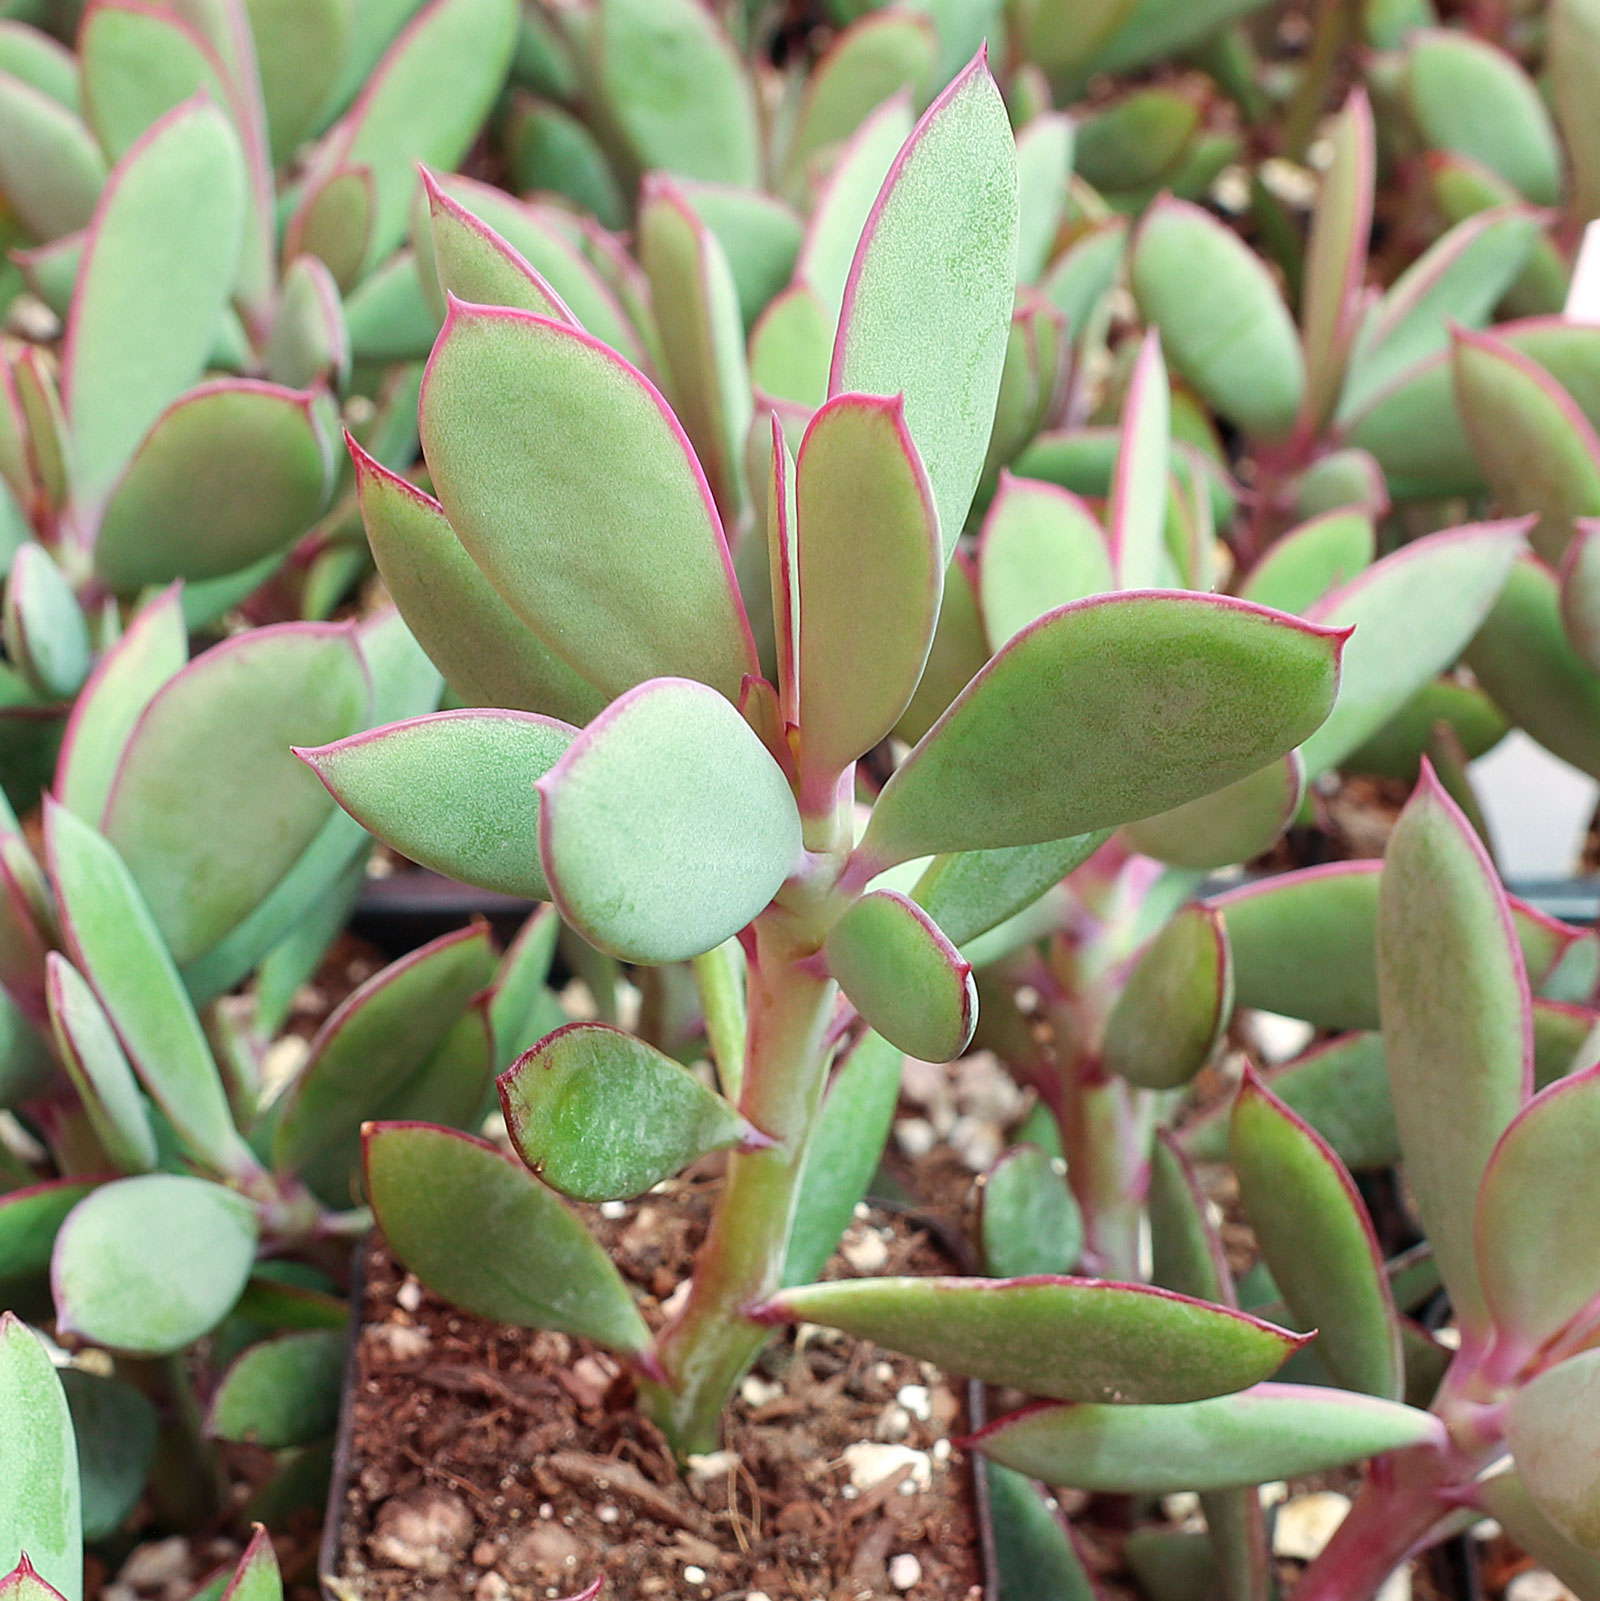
(39, 1513)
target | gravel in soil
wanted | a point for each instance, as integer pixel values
(510, 1466)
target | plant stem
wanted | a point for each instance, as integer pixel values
(709, 1347)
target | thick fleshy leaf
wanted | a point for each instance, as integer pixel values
(676, 89)
(1232, 825)
(1413, 614)
(1223, 324)
(760, 236)
(1171, 1015)
(1034, 1550)
(1580, 592)
(958, 652)
(1457, 1023)
(1317, 1240)
(1311, 560)
(1396, 750)
(257, 1577)
(574, 489)
(488, 655)
(1550, 1429)
(1505, 1498)
(1137, 512)
(39, 1513)
(1040, 548)
(300, 48)
(438, 1195)
(99, 1069)
(1572, 62)
(210, 808)
(1471, 97)
(941, 244)
(233, 471)
(281, 1392)
(1537, 1256)
(117, 1429)
(1028, 1220)
(1074, 726)
(1186, 1254)
(1045, 149)
(51, 168)
(160, 262)
(1071, 1339)
(333, 222)
(453, 791)
(1536, 448)
(147, 1265)
(970, 892)
(30, 1219)
(601, 1116)
(1274, 1431)
(666, 827)
(474, 263)
(376, 1041)
(309, 343)
(1137, 138)
(870, 573)
(46, 634)
(1336, 255)
(904, 976)
(115, 943)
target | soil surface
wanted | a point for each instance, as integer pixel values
(509, 1466)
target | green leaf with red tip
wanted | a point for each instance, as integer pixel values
(1028, 1220)
(210, 808)
(30, 1219)
(474, 263)
(870, 572)
(1536, 1249)
(376, 1041)
(1223, 324)
(39, 1513)
(476, 816)
(1413, 613)
(333, 222)
(1137, 512)
(1336, 255)
(281, 1392)
(927, 308)
(904, 976)
(575, 491)
(1308, 562)
(46, 633)
(1550, 1429)
(438, 1195)
(160, 262)
(1317, 1240)
(309, 342)
(118, 1431)
(971, 892)
(1457, 1023)
(51, 167)
(231, 472)
(1175, 1007)
(257, 1577)
(1235, 824)
(1070, 1339)
(147, 1265)
(701, 331)
(667, 826)
(1274, 1431)
(115, 943)
(1075, 726)
(601, 1116)
(488, 655)
(1040, 548)
(676, 90)
(1535, 446)
(95, 1061)
(1469, 96)
(758, 233)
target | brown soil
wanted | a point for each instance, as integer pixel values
(510, 1466)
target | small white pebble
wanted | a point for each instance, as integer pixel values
(1448, 1337)
(756, 1595)
(1306, 1524)
(1486, 1530)
(861, 1213)
(1181, 1506)
(757, 1391)
(1397, 1587)
(409, 1295)
(941, 1450)
(612, 1210)
(694, 1575)
(894, 1423)
(607, 1513)
(1537, 1585)
(1272, 1492)
(870, 1462)
(904, 1571)
(867, 1253)
(915, 1136)
(882, 1372)
(713, 1465)
(916, 1400)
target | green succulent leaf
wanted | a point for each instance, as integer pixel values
(117, 1431)
(1174, 1010)
(1137, 138)
(1045, 150)
(257, 1577)
(281, 1392)
(46, 633)
(1457, 1023)
(1071, 1339)
(601, 1116)
(309, 342)
(474, 263)
(904, 976)
(941, 240)
(971, 892)
(1506, 1499)
(1274, 1431)
(870, 573)
(301, 46)
(39, 1514)
(147, 1265)
(1307, 563)
(1572, 61)
(51, 167)
(958, 652)
(1234, 824)
(1028, 1219)
(759, 234)
(544, 446)
(666, 827)
(1075, 726)
(1137, 512)
(1580, 592)
(1550, 1429)
(1186, 1253)
(438, 1195)
(1034, 1549)
(30, 1219)
(477, 817)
